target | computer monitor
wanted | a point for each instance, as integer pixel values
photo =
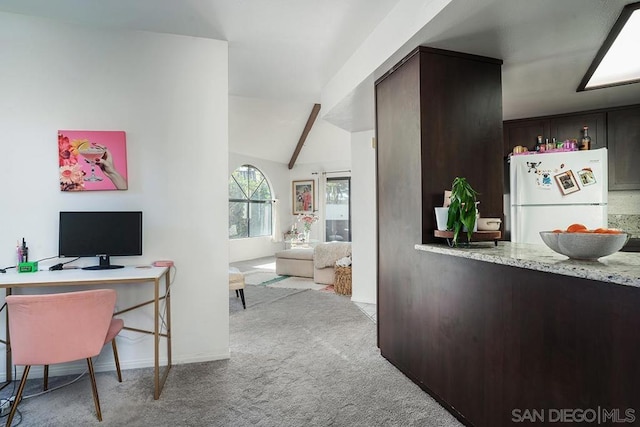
(100, 234)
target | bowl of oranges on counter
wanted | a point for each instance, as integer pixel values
(579, 242)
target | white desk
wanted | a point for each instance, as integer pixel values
(128, 275)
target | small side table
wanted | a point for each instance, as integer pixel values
(301, 244)
(342, 282)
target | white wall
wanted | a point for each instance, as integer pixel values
(169, 93)
(363, 219)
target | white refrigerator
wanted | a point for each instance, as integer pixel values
(554, 190)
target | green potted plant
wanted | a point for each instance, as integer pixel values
(462, 210)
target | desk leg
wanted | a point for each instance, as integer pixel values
(167, 293)
(159, 382)
(156, 339)
(7, 346)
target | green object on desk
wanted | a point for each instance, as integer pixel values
(28, 267)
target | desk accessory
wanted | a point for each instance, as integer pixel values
(163, 263)
(27, 267)
(23, 251)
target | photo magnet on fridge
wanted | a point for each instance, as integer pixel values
(587, 177)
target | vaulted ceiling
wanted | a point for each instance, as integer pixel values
(282, 53)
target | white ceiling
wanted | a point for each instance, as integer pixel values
(546, 45)
(278, 49)
(287, 50)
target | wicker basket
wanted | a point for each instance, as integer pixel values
(342, 284)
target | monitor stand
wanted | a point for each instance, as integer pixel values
(104, 264)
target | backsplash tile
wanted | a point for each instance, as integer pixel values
(624, 202)
(628, 223)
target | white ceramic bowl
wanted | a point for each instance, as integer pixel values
(489, 224)
(584, 246)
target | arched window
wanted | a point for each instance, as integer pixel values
(250, 203)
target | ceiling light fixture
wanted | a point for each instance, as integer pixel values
(617, 62)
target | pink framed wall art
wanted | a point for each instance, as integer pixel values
(92, 160)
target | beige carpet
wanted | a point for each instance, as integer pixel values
(271, 279)
(298, 358)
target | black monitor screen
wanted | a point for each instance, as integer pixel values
(103, 234)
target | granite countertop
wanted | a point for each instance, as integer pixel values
(621, 268)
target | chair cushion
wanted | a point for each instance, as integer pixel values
(236, 279)
(235, 275)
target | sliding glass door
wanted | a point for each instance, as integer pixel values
(338, 210)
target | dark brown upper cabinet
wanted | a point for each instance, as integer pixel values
(623, 137)
(438, 116)
(523, 132)
(570, 127)
(561, 127)
(617, 129)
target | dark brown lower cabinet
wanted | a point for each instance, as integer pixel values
(496, 344)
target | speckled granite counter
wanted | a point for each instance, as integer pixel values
(621, 268)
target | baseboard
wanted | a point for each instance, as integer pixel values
(107, 365)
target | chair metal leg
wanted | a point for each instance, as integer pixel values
(14, 407)
(236, 293)
(242, 298)
(45, 387)
(94, 387)
(117, 359)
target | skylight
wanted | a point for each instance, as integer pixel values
(617, 61)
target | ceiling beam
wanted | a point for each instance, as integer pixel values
(305, 132)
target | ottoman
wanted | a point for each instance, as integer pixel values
(295, 262)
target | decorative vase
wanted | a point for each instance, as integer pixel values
(305, 235)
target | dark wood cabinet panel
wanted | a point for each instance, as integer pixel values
(438, 116)
(534, 340)
(617, 129)
(525, 133)
(623, 136)
(569, 127)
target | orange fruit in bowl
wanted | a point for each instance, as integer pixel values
(576, 228)
(614, 231)
(558, 231)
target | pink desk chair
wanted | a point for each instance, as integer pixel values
(57, 328)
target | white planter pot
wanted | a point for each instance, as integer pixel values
(442, 213)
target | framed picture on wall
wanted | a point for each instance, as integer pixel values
(303, 196)
(92, 160)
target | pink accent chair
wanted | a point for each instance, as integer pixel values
(57, 328)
